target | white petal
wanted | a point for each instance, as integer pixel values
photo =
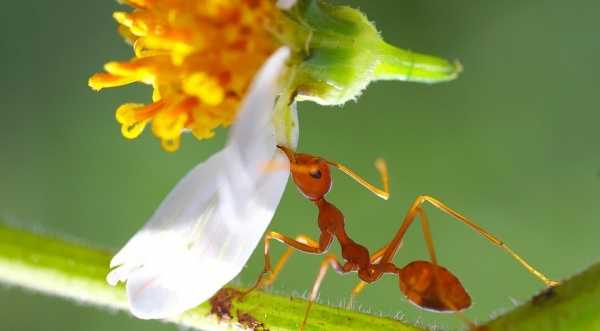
(208, 226)
(286, 4)
(252, 138)
(157, 255)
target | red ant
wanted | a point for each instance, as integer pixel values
(424, 283)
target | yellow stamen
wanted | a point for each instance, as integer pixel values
(199, 57)
(205, 88)
(133, 118)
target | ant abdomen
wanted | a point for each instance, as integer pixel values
(433, 287)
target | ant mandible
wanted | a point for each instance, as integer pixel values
(424, 283)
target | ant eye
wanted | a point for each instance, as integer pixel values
(315, 173)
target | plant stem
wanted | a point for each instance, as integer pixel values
(74, 271)
(574, 305)
(400, 64)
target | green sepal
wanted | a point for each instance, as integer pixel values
(339, 52)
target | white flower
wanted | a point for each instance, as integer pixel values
(208, 226)
(286, 4)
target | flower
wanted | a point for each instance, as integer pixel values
(199, 57)
(206, 228)
(214, 63)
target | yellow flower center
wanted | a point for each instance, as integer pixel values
(199, 56)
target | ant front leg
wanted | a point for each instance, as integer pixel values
(274, 272)
(301, 243)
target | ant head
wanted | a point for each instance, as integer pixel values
(310, 173)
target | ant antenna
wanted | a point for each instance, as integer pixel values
(381, 167)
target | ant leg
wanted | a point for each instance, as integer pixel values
(441, 206)
(375, 258)
(284, 257)
(442, 293)
(329, 260)
(355, 292)
(425, 283)
(427, 235)
(381, 167)
(303, 245)
(438, 204)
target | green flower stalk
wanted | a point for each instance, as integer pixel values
(341, 52)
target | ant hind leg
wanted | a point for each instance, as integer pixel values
(375, 258)
(424, 283)
(487, 235)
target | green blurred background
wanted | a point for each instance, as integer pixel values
(513, 143)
